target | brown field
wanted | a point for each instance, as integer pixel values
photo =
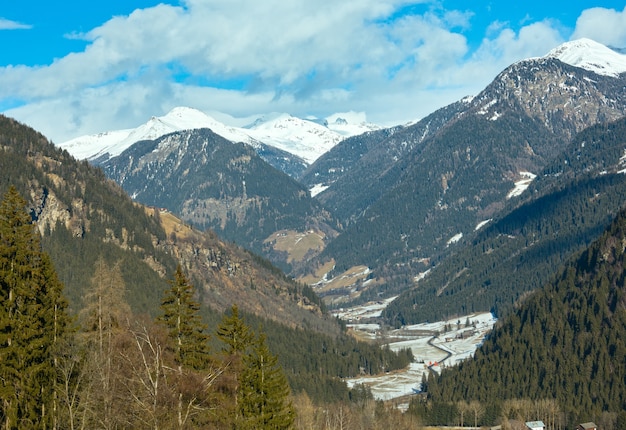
(297, 244)
(319, 273)
(346, 279)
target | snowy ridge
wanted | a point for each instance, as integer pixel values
(590, 55)
(308, 139)
(96, 145)
(114, 143)
(350, 124)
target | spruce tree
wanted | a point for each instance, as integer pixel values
(186, 331)
(188, 341)
(234, 332)
(264, 392)
(32, 317)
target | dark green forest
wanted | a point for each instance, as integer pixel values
(434, 187)
(562, 350)
(108, 367)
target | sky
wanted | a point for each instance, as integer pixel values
(73, 68)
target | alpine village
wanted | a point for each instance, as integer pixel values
(467, 270)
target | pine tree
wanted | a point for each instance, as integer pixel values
(264, 392)
(234, 332)
(32, 318)
(184, 325)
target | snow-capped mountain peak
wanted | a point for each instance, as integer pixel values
(113, 143)
(303, 138)
(307, 139)
(590, 55)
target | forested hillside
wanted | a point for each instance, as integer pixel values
(113, 369)
(567, 207)
(353, 167)
(82, 215)
(404, 212)
(96, 238)
(341, 158)
(563, 346)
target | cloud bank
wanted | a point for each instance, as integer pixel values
(394, 60)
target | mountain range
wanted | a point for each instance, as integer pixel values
(87, 222)
(305, 139)
(215, 183)
(395, 202)
(420, 193)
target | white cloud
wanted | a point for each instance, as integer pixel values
(301, 57)
(7, 24)
(606, 26)
(507, 46)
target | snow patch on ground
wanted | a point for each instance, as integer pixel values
(482, 224)
(485, 109)
(495, 116)
(454, 239)
(522, 184)
(316, 189)
(369, 310)
(421, 276)
(622, 162)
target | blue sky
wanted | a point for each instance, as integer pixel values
(71, 68)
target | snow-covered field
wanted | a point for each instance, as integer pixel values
(434, 345)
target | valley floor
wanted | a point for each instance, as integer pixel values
(434, 346)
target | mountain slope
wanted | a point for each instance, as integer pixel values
(82, 215)
(346, 171)
(567, 206)
(566, 342)
(340, 159)
(465, 172)
(215, 183)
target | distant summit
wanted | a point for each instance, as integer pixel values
(112, 143)
(590, 55)
(307, 139)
